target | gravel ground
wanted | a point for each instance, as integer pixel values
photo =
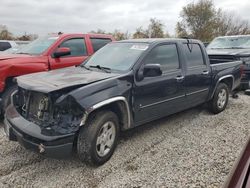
(190, 149)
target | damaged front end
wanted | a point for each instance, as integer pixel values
(56, 113)
(46, 123)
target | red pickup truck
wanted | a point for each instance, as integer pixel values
(44, 54)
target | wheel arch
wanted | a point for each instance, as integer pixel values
(118, 105)
(228, 80)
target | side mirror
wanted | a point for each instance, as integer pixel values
(63, 51)
(149, 70)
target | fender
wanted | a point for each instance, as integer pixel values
(107, 102)
(220, 79)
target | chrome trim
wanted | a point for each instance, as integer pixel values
(106, 102)
(179, 78)
(220, 79)
(152, 104)
(205, 72)
(227, 76)
(12, 95)
(199, 91)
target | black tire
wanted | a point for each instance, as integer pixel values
(6, 98)
(87, 149)
(214, 105)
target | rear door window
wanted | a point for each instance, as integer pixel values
(77, 47)
(4, 46)
(194, 56)
(98, 43)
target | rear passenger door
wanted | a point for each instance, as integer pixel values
(98, 43)
(78, 54)
(198, 75)
(159, 96)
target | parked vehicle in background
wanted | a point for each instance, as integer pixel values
(240, 175)
(14, 49)
(6, 44)
(44, 54)
(124, 85)
(21, 42)
(231, 48)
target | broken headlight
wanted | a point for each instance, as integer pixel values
(67, 112)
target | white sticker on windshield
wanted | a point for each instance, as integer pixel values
(139, 47)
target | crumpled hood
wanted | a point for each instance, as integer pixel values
(61, 79)
(232, 52)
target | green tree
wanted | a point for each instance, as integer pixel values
(231, 24)
(98, 31)
(198, 20)
(180, 30)
(118, 35)
(203, 21)
(140, 33)
(5, 34)
(155, 29)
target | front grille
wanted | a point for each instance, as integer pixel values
(36, 110)
(29, 105)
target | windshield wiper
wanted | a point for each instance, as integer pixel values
(85, 67)
(237, 47)
(105, 69)
(21, 53)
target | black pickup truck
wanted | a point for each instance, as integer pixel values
(232, 48)
(123, 85)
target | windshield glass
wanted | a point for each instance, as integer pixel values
(38, 46)
(230, 42)
(117, 56)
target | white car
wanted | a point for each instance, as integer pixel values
(6, 44)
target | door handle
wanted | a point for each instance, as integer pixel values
(179, 78)
(205, 72)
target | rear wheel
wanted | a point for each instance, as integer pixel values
(220, 99)
(97, 140)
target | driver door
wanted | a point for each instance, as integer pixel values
(78, 54)
(159, 96)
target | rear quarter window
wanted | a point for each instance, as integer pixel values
(4, 46)
(194, 55)
(98, 43)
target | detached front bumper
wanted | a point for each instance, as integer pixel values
(30, 136)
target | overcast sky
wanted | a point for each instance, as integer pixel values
(46, 16)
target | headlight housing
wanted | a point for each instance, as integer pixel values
(65, 117)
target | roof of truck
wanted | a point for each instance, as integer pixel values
(156, 40)
(233, 36)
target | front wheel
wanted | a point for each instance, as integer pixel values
(5, 99)
(220, 99)
(97, 139)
